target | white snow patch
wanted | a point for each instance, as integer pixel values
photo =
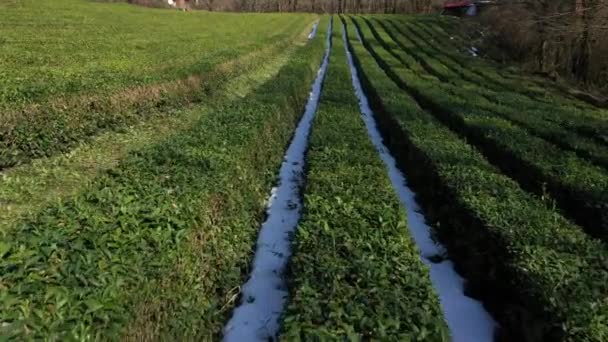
(356, 32)
(473, 51)
(467, 319)
(313, 32)
(265, 293)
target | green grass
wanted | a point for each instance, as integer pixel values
(70, 69)
(540, 275)
(138, 146)
(59, 47)
(157, 247)
(356, 273)
(28, 188)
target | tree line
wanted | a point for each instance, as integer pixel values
(558, 38)
(315, 6)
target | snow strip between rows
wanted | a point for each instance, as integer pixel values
(313, 32)
(264, 294)
(467, 319)
(358, 34)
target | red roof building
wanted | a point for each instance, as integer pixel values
(457, 4)
(465, 7)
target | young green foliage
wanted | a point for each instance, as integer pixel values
(155, 248)
(356, 272)
(540, 96)
(72, 69)
(27, 188)
(536, 116)
(579, 188)
(541, 276)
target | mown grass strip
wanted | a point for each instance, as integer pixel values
(578, 187)
(355, 273)
(155, 248)
(52, 128)
(65, 47)
(66, 118)
(25, 189)
(540, 275)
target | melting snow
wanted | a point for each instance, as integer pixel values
(357, 32)
(265, 293)
(467, 319)
(313, 32)
(473, 51)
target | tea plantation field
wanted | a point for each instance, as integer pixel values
(437, 197)
(70, 69)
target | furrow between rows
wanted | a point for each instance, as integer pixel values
(579, 188)
(264, 294)
(540, 276)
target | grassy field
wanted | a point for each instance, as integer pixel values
(139, 153)
(70, 69)
(29, 187)
(140, 252)
(56, 48)
(348, 279)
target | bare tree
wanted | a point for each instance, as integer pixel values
(331, 6)
(556, 37)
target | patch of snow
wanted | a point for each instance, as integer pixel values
(466, 318)
(451, 38)
(313, 32)
(472, 10)
(473, 51)
(357, 32)
(265, 293)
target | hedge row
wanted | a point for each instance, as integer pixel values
(571, 114)
(542, 277)
(544, 89)
(484, 74)
(539, 118)
(578, 187)
(457, 49)
(155, 248)
(356, 273)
